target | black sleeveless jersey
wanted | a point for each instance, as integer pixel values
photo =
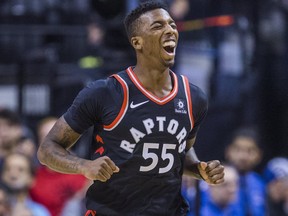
(145, 136)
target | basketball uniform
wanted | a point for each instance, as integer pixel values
(145, 136)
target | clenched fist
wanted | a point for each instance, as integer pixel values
(212, 171)
(100, 169)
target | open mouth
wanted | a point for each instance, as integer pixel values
(169, 47)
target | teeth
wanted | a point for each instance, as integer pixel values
(170, 44)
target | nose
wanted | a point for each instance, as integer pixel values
(243, 154)
(170, 29)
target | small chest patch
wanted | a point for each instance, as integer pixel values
(180, 106)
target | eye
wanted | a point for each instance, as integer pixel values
(173, 25)
(157, 26)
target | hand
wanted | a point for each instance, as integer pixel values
(100, 169)
(212, 171)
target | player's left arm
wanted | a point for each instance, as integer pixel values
(211, 172)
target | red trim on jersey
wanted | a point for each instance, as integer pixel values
(189, 100)
(90, 213)
(148, 94)
(124, 104)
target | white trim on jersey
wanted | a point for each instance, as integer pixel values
(151, 96)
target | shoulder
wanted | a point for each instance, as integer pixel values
(198, 96)
(199, 102)
(101, 87)
(197, 92)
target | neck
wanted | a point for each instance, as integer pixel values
(157, 81)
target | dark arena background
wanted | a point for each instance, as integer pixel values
(236, 51)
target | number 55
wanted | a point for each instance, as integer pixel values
(164, 155)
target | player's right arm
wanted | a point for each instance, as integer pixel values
(53, 152)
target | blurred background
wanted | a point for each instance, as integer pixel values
(236, 51)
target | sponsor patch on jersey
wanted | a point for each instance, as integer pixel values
(180, 106)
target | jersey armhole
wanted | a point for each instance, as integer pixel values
(124, 105)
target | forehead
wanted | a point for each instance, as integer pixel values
(155, 15)
(245, 142)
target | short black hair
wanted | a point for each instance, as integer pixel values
(129, 21)
(247, 132)
(12, 117)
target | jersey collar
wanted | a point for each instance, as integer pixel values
(150, 95)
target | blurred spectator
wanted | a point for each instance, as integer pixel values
(26, 145)
(93, 56)
(44, 126)
(53, 189)
(179, 9)
(76, 206)
(10, 131)
(21, 210)
(222, 200)
(245, 154)
(5, 208)
(117, 51)
(276, 175)
(17, 176)
(189, 192)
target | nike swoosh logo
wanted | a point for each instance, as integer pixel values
(132, 105)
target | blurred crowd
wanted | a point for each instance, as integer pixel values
(28, 188)
(247, 191)
(236, 51)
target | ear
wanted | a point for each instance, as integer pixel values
(137, 42)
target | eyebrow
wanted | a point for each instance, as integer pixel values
(156, 22)
(161, 22)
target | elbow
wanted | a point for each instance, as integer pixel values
(41, 155)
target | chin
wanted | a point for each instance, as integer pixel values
(169, 63)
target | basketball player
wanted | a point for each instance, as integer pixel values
(145, 119)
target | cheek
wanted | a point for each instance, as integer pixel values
(151, 44)
(253, 157)
(233, 156)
